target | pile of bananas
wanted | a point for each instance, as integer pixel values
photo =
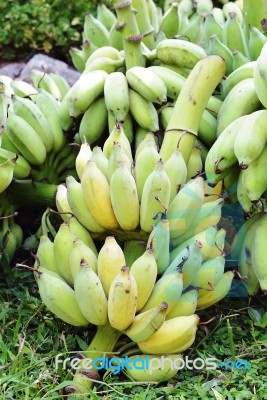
(32, 141)
(135, 291)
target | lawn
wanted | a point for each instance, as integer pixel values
(30, 338)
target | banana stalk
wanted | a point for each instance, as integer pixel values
(34, 193)
(103, 342)
(253, 15)
(143, 21)
(130, 33)
(184, 123)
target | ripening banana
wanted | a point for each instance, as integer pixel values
(148, 84)
(62, 203)
(94, 121)
(144, 269)
(172, 80)
(96, 193)
(160, 242)
(186, 304)
(146, 159)
(174, 336)
(80, 251)
(124, 197)
(260, 78)
(22, 88)
(122, 299)
(26, 140)
(255, 178)
(221, 289)
(90, 295)
(116, 94)
(95, 31)
(176, 170)
(209, 215)
(256, 41)
(127, 125)
(117, 155)
(170, 21)
(63, 244)
(155, 196)
(168, 288)
(83, 156)
(147, 323)
(238, 75)
(234, 35)
(244, 94)
(117, 135)
(245, 266)
(45, 254)
(84, 91)
(180, 52)
(100, 159)
(209, 274)
(50, 109)
(82, 233)
(185, 206)
(216, 46)
(143, 112)
(242, 196)
(106, 16)
(221, 155)
(171, 364)
(31, 113)
(109, 262)
(251, 138)
(6, 173)
(258, 253)
(59, 297)
(78, 206)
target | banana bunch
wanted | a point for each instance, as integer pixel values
(33, 144)
(11, 234)
(152, 301)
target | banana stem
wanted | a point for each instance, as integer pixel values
(103, 342)
(130, 33)
(254, 14)
(144, 25)
(183, 126)
(27, 192)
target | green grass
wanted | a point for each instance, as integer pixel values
(30, 338)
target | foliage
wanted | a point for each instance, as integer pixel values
(49, 26)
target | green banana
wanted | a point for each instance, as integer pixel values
(143, 112)
(94, 121)
(90, 295)
(80, 251)
(186, 305)
(116, 94)
(258, 253)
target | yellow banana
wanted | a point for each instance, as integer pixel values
(62, 203)
(122, 299)
(118, 155)
(144, 270)
(78, 206)
(147, 323)
(90, 295)
(174, 336)
(59, 297)
(100, 159)
(109, 262)
(117, 135)
(96, 192)
(83, 156)
(186, 304)
(124, 198)
(221, 289)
